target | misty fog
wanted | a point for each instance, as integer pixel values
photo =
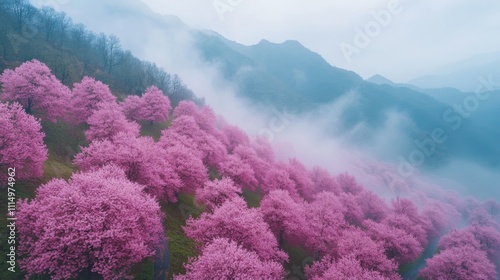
(306, 136)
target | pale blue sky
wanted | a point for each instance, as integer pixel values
(426, 34)
(422, 36)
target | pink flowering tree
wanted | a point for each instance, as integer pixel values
(204, 117)
(235, 221)
(441, 216)
(186, 108)
(405, 216)
(459, 263)
(225, 259)
(303, 183)
(369, 253)
(284, 215)
(190, 109)
(235, 137)
(353, 212)
(214, 193)
(323, 181)
(155, 106)
(182, 153)
(347, 267)
(325, 222)
(398, 244)
(187, 126)
(240, 171)
(485, 238)
(107, 122)
(263, 149)
(489, 240)
(97, 221)
(212, 151)
(190, 169)
(131, 107)
(21, 143)
(207, 121)
(348, 184)
(170, 138)
(34, 87)
(249, 156)
(479, 216)
(404, 223)
(459, 238)
(278, 178)
(365, 254)
(140, 157)
(373, 207)
(86, 98)
(404, 206)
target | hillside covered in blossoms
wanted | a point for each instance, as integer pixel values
(151, 179)
(275, 147)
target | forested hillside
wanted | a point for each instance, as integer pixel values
(71, 51)
(155, 191)
(111, 168)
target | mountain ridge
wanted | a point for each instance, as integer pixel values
(288, 75)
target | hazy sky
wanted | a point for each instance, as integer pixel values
(419, 37)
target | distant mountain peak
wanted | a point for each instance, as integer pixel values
(380, 80)
(463, 75)
(264, 42)
(287, 43)
(292, 43)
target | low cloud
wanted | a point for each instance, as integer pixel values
(308, 137)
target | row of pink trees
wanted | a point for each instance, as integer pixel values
(471, 252)
(351, 232)
(153, 106)
(41, 94)
(102, 220)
